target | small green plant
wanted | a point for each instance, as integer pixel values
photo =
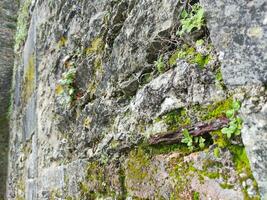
(216, 152)
(66, 84)
(196, 196)
(192, 141)
(191, 20)
(190, 55)
(200, 141)
(188, 139)
(160, 65)
(235, 123)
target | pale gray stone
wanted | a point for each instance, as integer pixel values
(238, 31)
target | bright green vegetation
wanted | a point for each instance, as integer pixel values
(164, 149)
(100, 182)
(66, 87)
(95, 185)
(235, 124)
(192, 141)
(191, 20)
(242, 165)
(181, 118)
(216, 152)
(196, 196)
(219, 79)
(221, 139)
(138, 165)
(212, 111)
(160, 65)
(190, 55)
(176, 118)
(22, 24)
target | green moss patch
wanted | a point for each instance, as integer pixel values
(175, 119)
(190, 55)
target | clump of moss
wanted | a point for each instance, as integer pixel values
(176, 119)
(210, 169)
(87, 122)
(181, 172)
(165, 149)
(190, 55)
(98, 183)
(242, 165)
(22, 24)
(213, 111)
(137, 165)
(240, 160)
(226, 186)
(96, 174)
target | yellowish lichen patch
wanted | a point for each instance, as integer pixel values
(87, 121)
(59, 89)
(29, 79)
(97, 46)
(62, 42)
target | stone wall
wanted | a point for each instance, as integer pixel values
(94, 81)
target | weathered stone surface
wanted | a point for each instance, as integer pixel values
(239, 30)
(75, 173)
(88, 94)
(31, 190)
(210, 187)
(30, 119)
(254, 135)
(51, 178)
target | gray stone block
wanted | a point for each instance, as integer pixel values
(32, 160)
(238, 30)
(30, 119)
(51, 179)
(31, 188)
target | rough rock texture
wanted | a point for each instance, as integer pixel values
(254, 136)
(8, 11)
(239, 30)
(88, 93)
